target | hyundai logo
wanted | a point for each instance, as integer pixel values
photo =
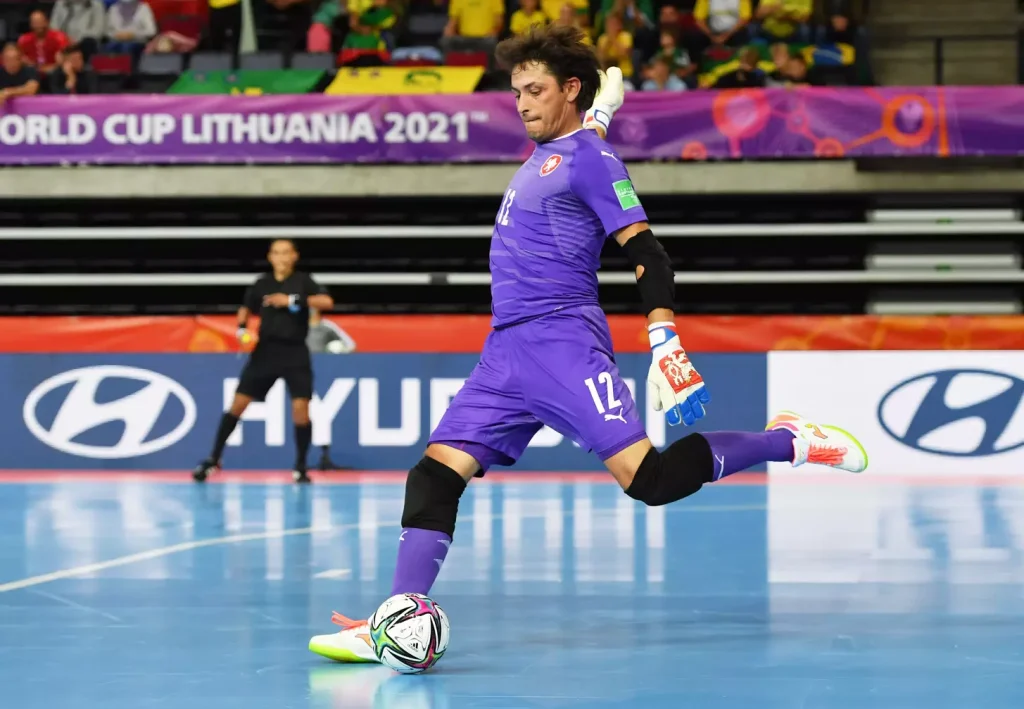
(956, 412)
(139, 411)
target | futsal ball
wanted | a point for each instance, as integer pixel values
(409, 633)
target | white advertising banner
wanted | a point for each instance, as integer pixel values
(919, 413)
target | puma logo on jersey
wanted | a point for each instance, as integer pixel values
(615, 417)
(613, 157)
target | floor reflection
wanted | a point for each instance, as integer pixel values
(561, 593)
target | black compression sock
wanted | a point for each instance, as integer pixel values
(227, 425)
(303, 436)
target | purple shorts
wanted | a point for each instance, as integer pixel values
(556, 370)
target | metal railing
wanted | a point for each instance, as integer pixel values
(978, 227)
(886, 276)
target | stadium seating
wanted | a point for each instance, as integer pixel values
(858, 254)
(421, 25)
(261, 61)
(211, 61)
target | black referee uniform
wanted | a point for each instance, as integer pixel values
(280, 353)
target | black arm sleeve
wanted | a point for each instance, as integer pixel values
(657, 284)
(315, 288)
(253, 300)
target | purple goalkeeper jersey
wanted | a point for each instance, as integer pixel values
(562, 204)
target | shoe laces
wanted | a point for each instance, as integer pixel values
(346, 622)
(826, 454)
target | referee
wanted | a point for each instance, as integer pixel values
(283, 299)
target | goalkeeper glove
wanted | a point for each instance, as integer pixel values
(608, 100)
(674, 385)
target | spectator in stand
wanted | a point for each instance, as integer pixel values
(291, 19)
(130, 25)
(72, 76)
(785, 20)
(473, 25)
(528, 15)
(41, 46)
(678, 59)
(579, 9)
(637, 15)
(661, 78)
(320, 34)
(794, 72)
(615, 46)
(368, 21)
(720, 23)
(569, 17)
(648, 40)
(16, 79)
(171, 43)
(747, 75)
(840, 22)
(780, 55)
(224, 30)
(83, 21)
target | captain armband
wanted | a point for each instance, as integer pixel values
(657, 284)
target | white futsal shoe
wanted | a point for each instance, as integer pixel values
(821, 445)
(351, 644)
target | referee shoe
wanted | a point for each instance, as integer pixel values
(205, 470)
(300, 475)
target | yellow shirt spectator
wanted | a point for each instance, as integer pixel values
(553, 8)
(783, 27)
(476, 18)
(722, 15)
(522, 21)
(617, 51)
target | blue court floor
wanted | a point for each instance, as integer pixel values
(834, 592)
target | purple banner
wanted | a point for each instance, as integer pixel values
(697, 125)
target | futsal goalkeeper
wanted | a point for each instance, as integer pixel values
(549, 360)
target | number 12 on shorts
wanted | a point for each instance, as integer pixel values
(609, 385)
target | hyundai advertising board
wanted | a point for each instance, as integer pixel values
(375, 412)
(953, 412)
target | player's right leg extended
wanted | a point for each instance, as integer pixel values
(432, 492)
(486, 424)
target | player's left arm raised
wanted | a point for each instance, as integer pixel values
(609, 99)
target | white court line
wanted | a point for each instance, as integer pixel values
(276, 534)
(162, 551)
(71, 604)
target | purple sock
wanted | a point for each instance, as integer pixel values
(420, 555)
(735, 451)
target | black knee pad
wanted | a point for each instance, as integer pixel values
(432, 493)
(678, 472)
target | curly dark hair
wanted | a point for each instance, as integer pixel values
(561, 49)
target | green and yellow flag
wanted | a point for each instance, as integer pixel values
(249, 83)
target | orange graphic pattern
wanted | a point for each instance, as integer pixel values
(466, 333)
(907, 120)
